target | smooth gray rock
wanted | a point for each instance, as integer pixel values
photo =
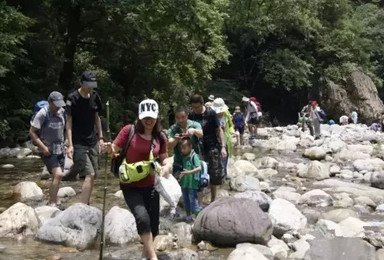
(264, 250)
(287, 193)
(66, 192)
(315, 170)
(230, 221)
(316, 198)
(338, 215)
(27, 191)
(377, 179)
(315, 153)
(266, 162)
(77, 226)
(246, 253)
(291, 220)
(118, 231)
(340, 249)
(244, 183)
(46, 212)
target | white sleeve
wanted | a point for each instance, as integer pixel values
(38, 121)
(248, 113)
(254, 106)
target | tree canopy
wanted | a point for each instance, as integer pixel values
(279, 51)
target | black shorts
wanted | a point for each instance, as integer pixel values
(240, 129)
(144, 204)
(54, 161)
(212, 157)
(253, 121)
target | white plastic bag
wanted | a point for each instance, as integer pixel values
(169, 189)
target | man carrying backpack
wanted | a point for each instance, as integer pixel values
(84, 131)
(47, 132)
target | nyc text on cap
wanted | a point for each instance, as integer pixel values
(148, 108)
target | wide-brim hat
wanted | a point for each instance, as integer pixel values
(211, 97)
(219, 106)
(237, 109)
(245, 99)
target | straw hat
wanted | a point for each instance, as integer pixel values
(219, 105)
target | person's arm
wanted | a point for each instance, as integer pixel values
(172, 138)
(36, 140)
(185, 173)
(196, 130)
(98, 127)
(68, 128)
(163, 154)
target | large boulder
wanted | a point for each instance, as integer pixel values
(230, 221)
(316, 198)
(244, 183)
(28, 190)
(262, 199)
(246, 253)
(291, 220)
(77, 226)
(340, 249)
(315, 170)
(19, 219)
(120, 226)
(360, 94)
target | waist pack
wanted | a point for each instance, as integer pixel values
(133, 172)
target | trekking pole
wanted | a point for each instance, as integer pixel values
(102, 238)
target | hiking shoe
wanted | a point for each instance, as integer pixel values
(189, 219)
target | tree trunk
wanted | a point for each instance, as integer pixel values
(74, 29)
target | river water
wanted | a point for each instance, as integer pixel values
(30, 248)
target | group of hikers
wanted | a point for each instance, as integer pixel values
(311, 116)
(200, 138)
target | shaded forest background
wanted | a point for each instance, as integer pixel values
(279, 51)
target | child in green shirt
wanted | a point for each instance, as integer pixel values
(189, 178)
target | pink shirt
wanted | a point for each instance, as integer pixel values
(138, 150)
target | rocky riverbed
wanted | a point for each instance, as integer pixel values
(287, 196)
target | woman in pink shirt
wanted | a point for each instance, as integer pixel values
(141, 196)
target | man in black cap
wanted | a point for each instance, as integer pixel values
(47, 132)
(83, 108)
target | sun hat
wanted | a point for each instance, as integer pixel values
(237, 109)
(245, 99)
(211, 97)
(148, 108)
(56, 98)
(219, 105)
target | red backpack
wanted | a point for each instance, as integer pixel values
(257, 103)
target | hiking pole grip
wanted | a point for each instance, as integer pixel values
(108, 138)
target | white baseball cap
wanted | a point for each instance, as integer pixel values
(148, 108)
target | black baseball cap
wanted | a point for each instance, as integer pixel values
(89, 79)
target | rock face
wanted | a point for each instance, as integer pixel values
(27, 190)
(291, 220)
(120, 226)
(340, 249)
(359, 95)
(77, 226)
(230, 221)
(19, 219)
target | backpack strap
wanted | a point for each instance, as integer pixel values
(123, 152)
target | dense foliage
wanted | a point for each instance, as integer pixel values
(279, 51)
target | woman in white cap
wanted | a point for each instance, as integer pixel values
(225, 118)
(147, 142)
